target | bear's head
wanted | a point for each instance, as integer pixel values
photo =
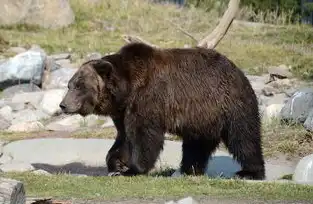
(90, 89)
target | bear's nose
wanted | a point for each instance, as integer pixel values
(62, 106)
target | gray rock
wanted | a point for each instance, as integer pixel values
(92, 56)
(60, 78)
(187, 200)
(44, 13)
(257, 83)
(51, 101)
(60, 56)
(280, 72)
(23, 68)
(21, 88)
(4, 124)
(64, 62)
(282, 84)
(308, 123)
(297, 107)
(26, 127)
(272, 111)
(16, 167)
(90, 120)
(108, 123)
(41, 172)
(304, 171)
(6, 113)
(5, 159)
(28, 115)
(16, 50)
(69, 123)
(17, 106)
(277, 99)
(32, 98)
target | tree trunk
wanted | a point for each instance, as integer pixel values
(11, 192)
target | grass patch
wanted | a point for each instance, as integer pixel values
(148, 187)
(290, 140)
(99, 26)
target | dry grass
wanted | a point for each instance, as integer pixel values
(99, 27)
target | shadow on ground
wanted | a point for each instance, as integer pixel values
(72, 168)
(219, 166)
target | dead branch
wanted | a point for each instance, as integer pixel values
(219, 32)
(210, 41)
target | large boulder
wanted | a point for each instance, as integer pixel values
(45, 13)
(298, 106)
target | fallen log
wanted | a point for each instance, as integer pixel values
(12, 192)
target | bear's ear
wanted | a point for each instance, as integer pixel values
(103, 68)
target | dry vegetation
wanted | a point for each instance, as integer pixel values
(99, 27)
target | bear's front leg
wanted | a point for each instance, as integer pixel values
(146, 137)
(118, 157)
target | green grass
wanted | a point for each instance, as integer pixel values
(248, 46)
(148, 187)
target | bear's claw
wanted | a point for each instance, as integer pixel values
(116, 173)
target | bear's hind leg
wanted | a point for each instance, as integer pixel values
(244, 142)
(196, 153)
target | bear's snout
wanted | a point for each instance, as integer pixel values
(63, 106)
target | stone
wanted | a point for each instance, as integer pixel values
(60, 78)
(16, 50)
(16, 167)
(4, 124)
(308, 123)
(41, 172)
(51, 101)
(281, 72)
(277, 99)
(60, 56)
(28, 115)
(21, 88)
(187, 200)
(92, 56)
(6, 113)
(17, 106)
(90, 120)
(69, 123)
(281, 84)
(26, 127)
(272, 111)
(257, 83)
(298, 106)
(26, 67)
(108, 123)
(303, 173)
(5, 158)
(63, 62)
(33, 98)
(48, 14)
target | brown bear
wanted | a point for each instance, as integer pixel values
(195, 93)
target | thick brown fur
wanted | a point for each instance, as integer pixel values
(195, 93)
